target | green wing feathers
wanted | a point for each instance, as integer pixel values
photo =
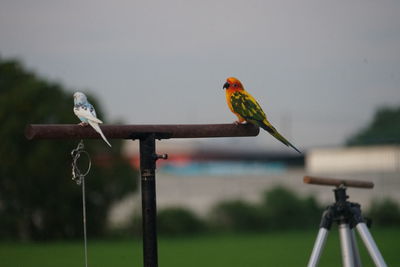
(247, 107)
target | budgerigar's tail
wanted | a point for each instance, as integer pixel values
(271, 129)
(96, 127)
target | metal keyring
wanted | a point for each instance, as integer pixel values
(77, 175)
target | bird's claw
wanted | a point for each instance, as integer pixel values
(240, 122)
(83, 124)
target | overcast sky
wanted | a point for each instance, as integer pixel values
(318, 68)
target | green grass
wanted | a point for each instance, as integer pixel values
(291, 248)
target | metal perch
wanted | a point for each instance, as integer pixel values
(147, 134)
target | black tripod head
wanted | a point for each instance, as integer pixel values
(341, 211)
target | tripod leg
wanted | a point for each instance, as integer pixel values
(318, 247)
(356, 253)
(370, 245)
(346, 245)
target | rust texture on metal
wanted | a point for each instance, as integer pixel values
(337, 182)
(73, 131)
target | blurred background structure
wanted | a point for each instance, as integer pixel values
(198, 178)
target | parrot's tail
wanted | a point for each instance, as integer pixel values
(96, 127)
(271, 129)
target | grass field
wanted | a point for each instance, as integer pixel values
(267, 249)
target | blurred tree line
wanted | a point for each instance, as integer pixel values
(280, 209)
(38, 199)
(383, 129)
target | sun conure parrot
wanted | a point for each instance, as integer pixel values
(246, 108)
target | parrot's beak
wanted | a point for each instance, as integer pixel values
(226, 86)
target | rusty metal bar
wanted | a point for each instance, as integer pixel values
(337, 182)
(73, 131)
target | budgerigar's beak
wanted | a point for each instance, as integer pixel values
(226, 86)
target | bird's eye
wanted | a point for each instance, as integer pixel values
(235, 85)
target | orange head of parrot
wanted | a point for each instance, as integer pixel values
(233, 84)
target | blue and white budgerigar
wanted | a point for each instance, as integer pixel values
(86, 113)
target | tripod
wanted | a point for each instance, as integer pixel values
(348, 217)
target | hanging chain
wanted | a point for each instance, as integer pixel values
(79, 178)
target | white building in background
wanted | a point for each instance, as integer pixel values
(354, 159)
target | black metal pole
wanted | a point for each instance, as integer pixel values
(149, 210)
